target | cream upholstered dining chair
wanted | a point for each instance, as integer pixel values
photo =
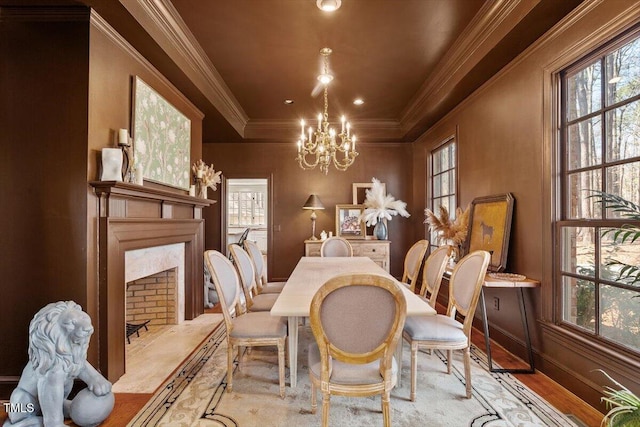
(353, 353)
(260, 271)
(412, 263)
(336, 247)
(244, 266)
(248, 329)
(434, 268)
(443, 331)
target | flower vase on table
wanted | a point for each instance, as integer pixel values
(380, 231)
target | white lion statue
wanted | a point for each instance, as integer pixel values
(58, 340)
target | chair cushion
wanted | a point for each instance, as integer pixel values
(347, 373)
(434, 328)
(273, 287)
(260, 324)
(264, 302)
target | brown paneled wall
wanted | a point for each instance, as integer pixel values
(66, 85)
(505, 144)
(390, 163)
(43, 178)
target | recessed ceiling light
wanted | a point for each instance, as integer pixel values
(358, 101)
(288, 101)
(328, 5)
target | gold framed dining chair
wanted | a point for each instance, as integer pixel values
(336, 247)
(353, 352)
(264, 287)
(244, 266)
(412, 263)
(433, 272)
(244, 329)
(443, 331)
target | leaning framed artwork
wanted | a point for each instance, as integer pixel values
(161, 138)
(348, 223)
(490, 228)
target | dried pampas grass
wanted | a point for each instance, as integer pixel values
(449, 231)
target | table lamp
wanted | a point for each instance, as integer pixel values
(313, 203)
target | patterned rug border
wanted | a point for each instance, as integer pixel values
(170, 390)
(168, 393)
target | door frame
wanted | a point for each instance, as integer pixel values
(270, 204)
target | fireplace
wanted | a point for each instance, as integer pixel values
(133, 220)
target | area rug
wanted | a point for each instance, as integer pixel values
(197, 395)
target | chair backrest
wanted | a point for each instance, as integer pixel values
(225, 279)
(434, 268)
(244, 267)
(358, 318)
(465, 286)
(412, 262)
(336, 247)
(258, 262)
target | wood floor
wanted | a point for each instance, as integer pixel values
(127, 405)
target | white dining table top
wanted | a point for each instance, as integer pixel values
(312, 272)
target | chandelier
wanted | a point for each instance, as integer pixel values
(322, 146)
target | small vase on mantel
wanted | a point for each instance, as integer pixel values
(380, 231)
(202, 191)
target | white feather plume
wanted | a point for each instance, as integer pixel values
(379, 206)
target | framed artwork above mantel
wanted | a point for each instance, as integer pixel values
(161, 138)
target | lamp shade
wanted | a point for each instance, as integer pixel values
(313, 202)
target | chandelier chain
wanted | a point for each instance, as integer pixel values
(321, 145)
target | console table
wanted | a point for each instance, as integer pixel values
(377, 250)
(520, 286)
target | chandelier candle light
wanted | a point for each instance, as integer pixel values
(321, 144)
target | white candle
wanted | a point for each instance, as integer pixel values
(300, 144)
(310, 131)
(354, 144)
(343, 119)
(348, 127)
(302, 129)
(123, 137)
(319, 121)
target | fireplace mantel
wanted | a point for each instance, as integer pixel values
(134, 217)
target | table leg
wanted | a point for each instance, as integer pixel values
(398, 355)
(525, 327)
(293, 350)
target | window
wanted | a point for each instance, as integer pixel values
(599, 150)
(443, 179)
(246, 208)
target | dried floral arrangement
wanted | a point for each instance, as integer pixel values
(379, 206)
(206, 176)
(453, 232)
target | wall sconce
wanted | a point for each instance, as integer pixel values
(313, 203)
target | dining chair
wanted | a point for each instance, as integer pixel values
(443, 331)
(336, 247)
(264, 287)
(356, 320)
(412, 263)
(244, 329)
(433, 272)
(244, 266)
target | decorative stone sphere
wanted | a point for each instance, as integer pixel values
(89, 410)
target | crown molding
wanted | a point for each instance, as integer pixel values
(44, 14)
(490, 24)
(100, 24)
(164, 24)
(366, 130)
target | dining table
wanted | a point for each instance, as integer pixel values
(294, 302)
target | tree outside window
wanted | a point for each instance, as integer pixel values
(600, 152)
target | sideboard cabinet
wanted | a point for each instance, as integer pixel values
(377, 250)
